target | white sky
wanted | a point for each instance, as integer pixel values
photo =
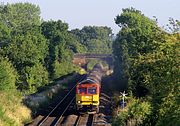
(79, 13)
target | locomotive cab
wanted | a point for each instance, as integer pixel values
(87, 97)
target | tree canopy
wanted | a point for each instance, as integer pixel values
(33, 52)
(146, 62)
(62, 45)
(96, 39)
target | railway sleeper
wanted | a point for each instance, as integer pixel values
(88, 109)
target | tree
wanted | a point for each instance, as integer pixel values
(139, 36)
(36, 76)
(20, 16)
(4, 34)
(27, 49)
(95, 39)
(150, 55)
(122, 64)
(62, 45)
(22, 41)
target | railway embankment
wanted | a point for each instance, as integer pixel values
(43, 98)
(12, 111)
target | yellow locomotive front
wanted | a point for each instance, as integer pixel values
(87, 97)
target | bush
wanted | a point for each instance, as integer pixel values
(120, 120)
(8, 75)
(138, 110)
(63, 68)
(36, 76)
(134, 113)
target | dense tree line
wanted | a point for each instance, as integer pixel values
(39, 51)
(23, 44)
(33, 52)
(147, 64)
(97, 40)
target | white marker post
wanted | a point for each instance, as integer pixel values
(123, 95)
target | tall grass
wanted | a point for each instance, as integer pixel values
(12, 111)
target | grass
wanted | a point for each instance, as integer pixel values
(12, 111)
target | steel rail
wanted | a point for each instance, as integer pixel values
(41, 122)
(55, 107)
(92, 117)
(64, 111)
(90, 120)
(78, 120)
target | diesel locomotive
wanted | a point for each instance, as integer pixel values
(88, 91)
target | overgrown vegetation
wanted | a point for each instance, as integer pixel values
(12, 111)
(39, 51)
(8, 75)
(147, 63)
(34, 52)
(134, 113)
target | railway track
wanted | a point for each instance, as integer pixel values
(61, 114)
(85, 120)
(55, 116)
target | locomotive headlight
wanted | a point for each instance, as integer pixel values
(78, 101)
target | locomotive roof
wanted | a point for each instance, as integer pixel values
(88, 80)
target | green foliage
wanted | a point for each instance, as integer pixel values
(97, 40)
(93, 62)
(173, 26)
(135, 113)
(5, 119)
(27, 49)
(4, 34)
(121, 68)
(121, 119)
(63, 68)
(22, 41)
(8, 75)
(36, 76)
(20, 16)
(27, 52)
(31, 45)
(139, 36)
(62, 45)
(138, 110)
(12, 112)
(146, 58)
(97, 46)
